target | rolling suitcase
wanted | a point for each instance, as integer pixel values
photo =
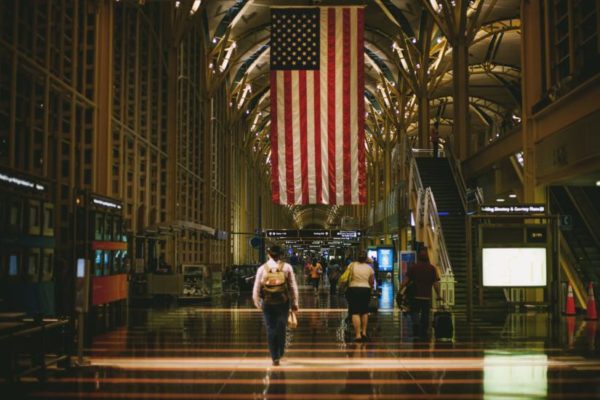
(443, 326)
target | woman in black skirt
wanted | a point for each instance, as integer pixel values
(358, 295)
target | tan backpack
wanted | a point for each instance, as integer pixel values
(274, 285)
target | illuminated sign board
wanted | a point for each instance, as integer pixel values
(282, 233)
(105, 203)
(514, 266)
(314, 233)
(13, 180)
(518, 209)
(348, 235)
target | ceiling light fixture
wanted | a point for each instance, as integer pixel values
(195, 6)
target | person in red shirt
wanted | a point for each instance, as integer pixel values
(424, 276)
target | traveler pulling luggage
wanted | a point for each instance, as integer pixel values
(425, 277)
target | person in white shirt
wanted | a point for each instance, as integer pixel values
(275, 313)
(358, 295)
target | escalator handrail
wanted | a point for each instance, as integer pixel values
(437, 224)
(457, 174)
(455, 167)
(426, 208)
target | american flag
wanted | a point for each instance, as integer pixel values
(317, 105)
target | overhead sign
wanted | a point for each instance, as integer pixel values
(313, 234)
(517, 209)
(282, 233)
(306, 233)
(13, 180)
(106, 203)
(347, 235)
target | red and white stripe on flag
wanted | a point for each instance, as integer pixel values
(317, 117)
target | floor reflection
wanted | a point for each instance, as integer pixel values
(506, 374)
(219, 351)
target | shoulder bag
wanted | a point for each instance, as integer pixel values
(346, 278)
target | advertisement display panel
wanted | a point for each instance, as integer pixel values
(385, 259)
(514, 267)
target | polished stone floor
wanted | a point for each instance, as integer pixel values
(219, 351)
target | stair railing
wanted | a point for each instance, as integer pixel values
(427, 220)
(466, 194)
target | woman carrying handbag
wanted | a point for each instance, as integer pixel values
(361, 280)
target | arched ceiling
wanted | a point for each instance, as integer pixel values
(395, 33)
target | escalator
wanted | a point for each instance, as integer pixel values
(583, 234)
(437, 174)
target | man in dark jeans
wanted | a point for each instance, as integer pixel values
(424, 276)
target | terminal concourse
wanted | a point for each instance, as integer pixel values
(426, 172)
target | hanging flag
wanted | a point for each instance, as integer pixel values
(317, 105)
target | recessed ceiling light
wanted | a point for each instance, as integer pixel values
(597, 183)
(500, 200)
(512, 196)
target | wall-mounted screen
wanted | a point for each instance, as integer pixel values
(514, 266)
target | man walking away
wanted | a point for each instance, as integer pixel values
(425, 276)
(275, 289)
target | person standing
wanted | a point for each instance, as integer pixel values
(275, 290)
(359, 294)
(424, 276)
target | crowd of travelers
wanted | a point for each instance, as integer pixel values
(275, 292)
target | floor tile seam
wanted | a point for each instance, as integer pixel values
(241, 395)
(293, 381)
(337, 343)
(372, 364)
(393, 352)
